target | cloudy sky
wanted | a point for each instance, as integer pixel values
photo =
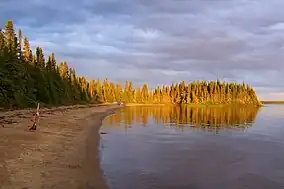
(160, 41)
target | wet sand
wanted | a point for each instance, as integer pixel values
(61, 153)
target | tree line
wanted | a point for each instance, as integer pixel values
(28, 77)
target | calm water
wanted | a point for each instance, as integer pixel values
(194, 148)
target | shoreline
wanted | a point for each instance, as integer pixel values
(94, 177)
(137, 104)
(62, 153)
(191, 105)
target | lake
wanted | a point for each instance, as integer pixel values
(171, 147)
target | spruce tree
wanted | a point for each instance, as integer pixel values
(20, 41)
(2, 43)
(27, 51)
(10, 36)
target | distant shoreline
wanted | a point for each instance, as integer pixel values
(190, 105)
(138, 104)
(272, 102)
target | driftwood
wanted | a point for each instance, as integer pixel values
(35, 120)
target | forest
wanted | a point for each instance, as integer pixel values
(28, 77)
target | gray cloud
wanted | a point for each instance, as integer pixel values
(160, 41)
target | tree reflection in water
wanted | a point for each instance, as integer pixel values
(204, 118)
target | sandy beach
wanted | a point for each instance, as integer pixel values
(61, 153)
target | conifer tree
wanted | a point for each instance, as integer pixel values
(20, 44)
(10, 36)
(145, 93)
(54, 84)
(39, 59)
(63, 70)
(53, 62)
(27, 50)
(2, 43)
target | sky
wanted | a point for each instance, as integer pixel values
(162, 41)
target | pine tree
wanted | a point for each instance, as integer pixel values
(118, 93)
(2, 43)
(20, 40)
(10, 36)
(145, 93)
(53, 62)
(138, 95)
(27, 51)
(39, 59)
(63, 70)
(130, 94)
(42, 60)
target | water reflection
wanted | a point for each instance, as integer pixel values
(227, 117)
(169, 154)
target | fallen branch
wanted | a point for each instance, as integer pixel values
(36, 119)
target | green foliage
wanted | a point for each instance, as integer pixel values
(26, 78)
(201, 93)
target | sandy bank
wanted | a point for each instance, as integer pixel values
(62, 153)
